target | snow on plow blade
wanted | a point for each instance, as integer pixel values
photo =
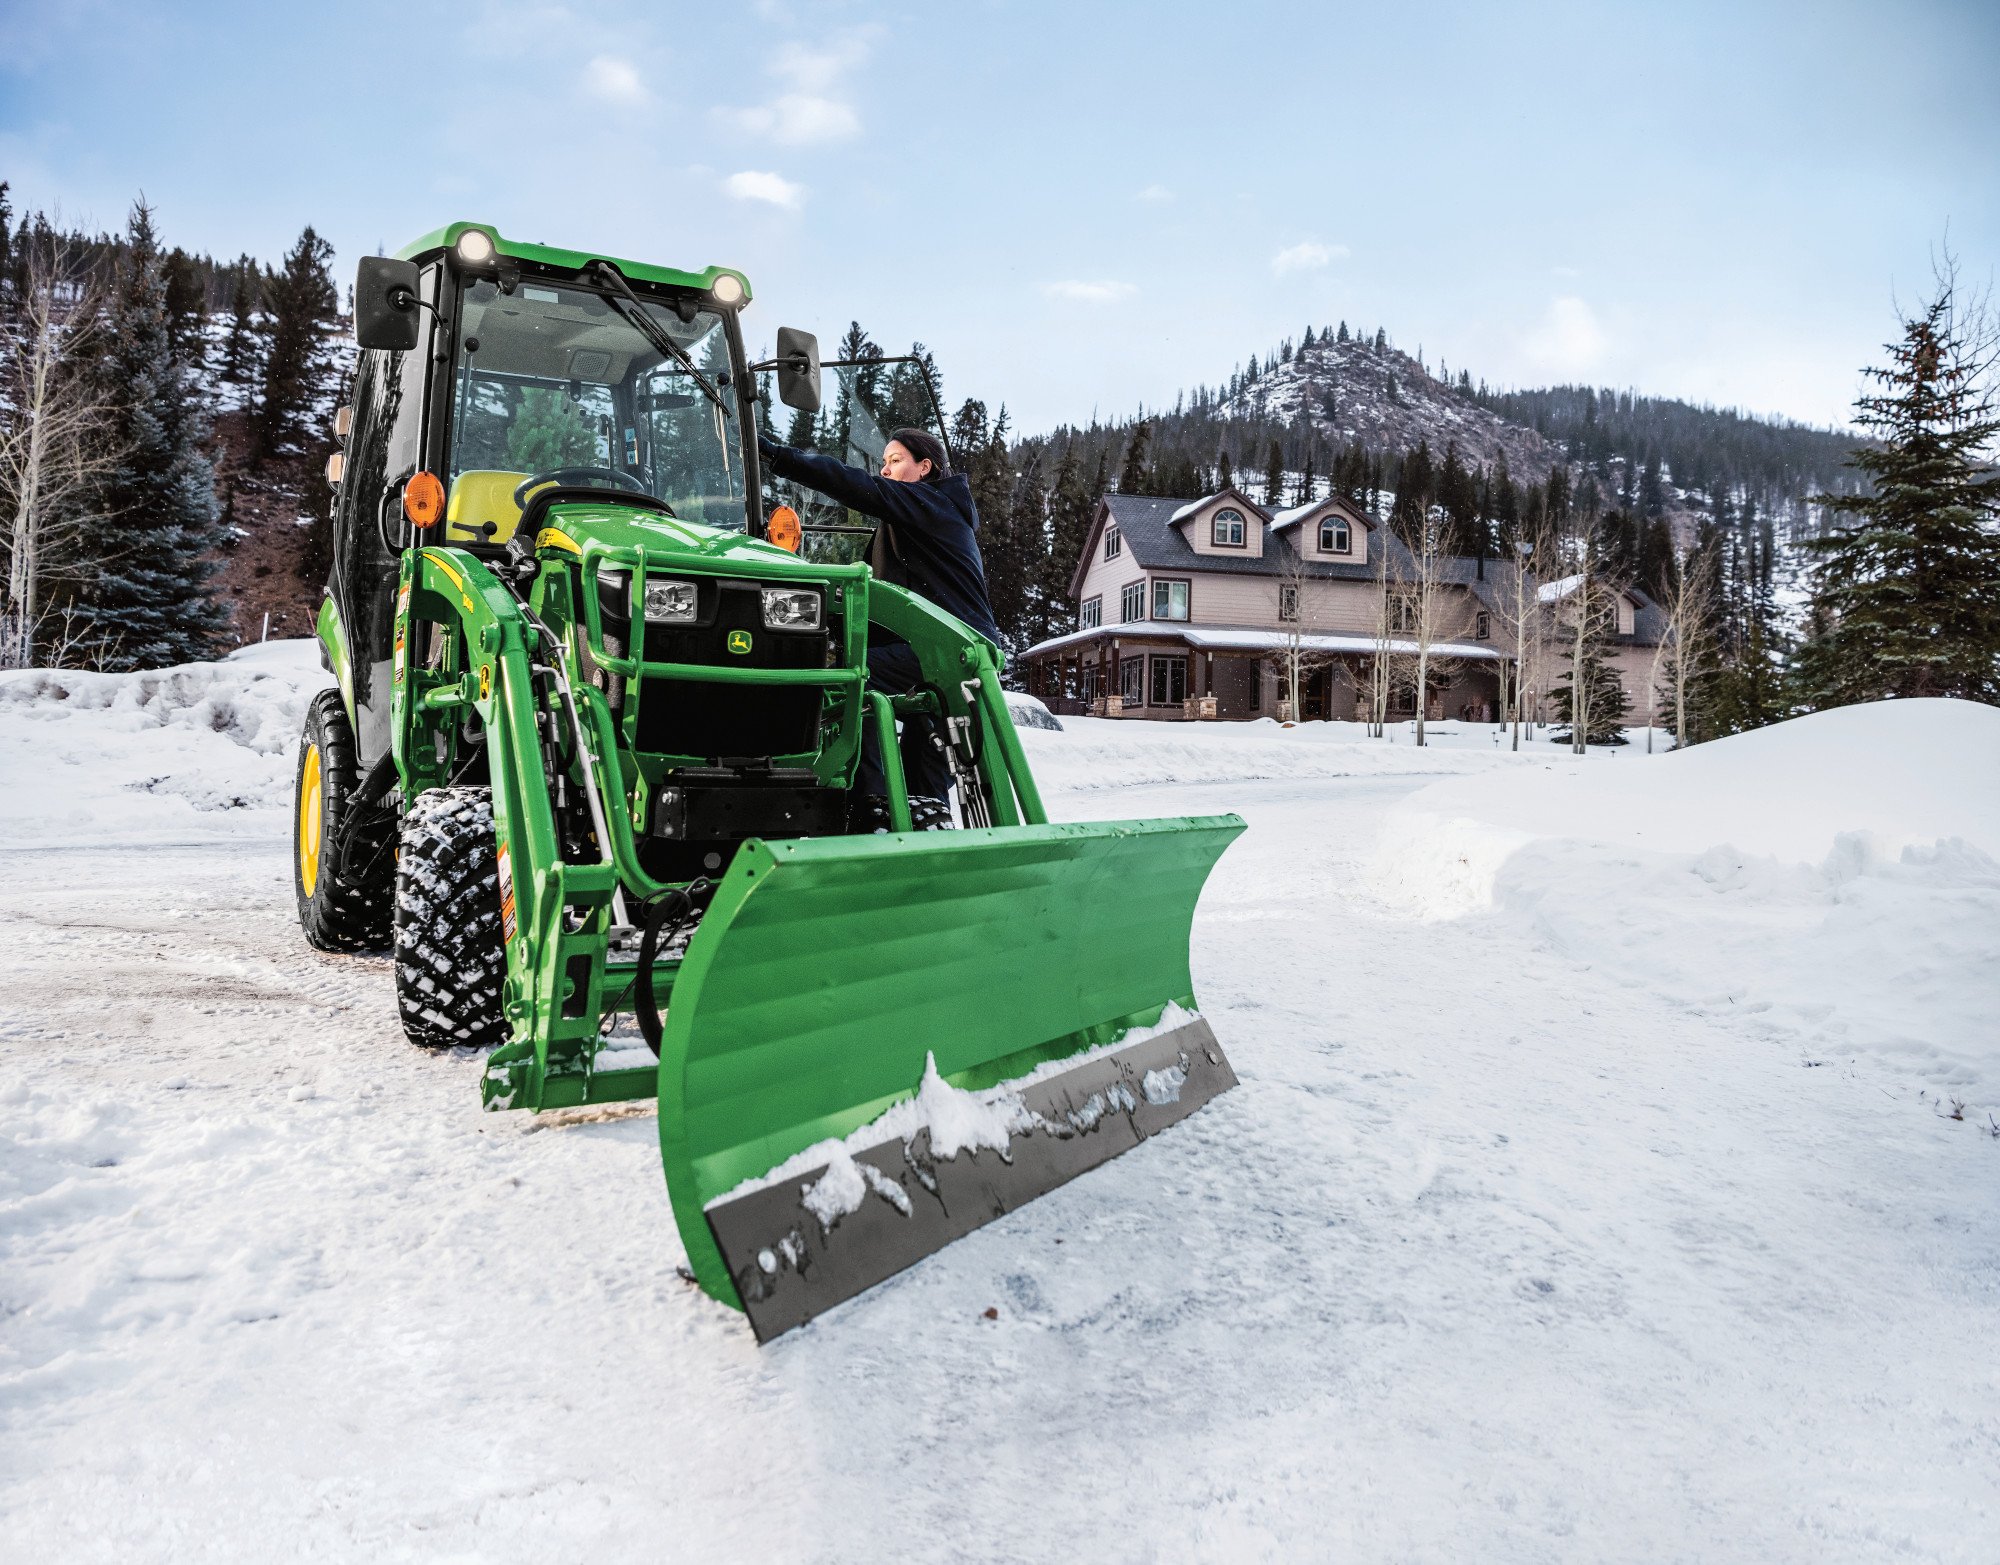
(828, 974)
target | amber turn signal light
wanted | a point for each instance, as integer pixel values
(423, 500)
(784, 529)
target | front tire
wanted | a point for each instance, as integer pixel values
(451, 960)
(343, 899)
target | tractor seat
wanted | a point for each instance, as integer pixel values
(480, 497)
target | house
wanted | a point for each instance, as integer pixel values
(1193, 609)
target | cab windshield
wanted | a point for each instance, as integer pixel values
(553, 383)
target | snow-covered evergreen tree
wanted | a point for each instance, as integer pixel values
(147, 602)
(1906, 597)
(298, 364)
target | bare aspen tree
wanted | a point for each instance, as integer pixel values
(1522, 615)
(1683, 640)
(1432, 612)
(1380, 670)
(1298, 619)
(1582, 602)
(55, 438)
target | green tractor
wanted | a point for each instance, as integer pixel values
(600, 704)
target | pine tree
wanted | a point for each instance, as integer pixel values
(1906, 598)
(1416, 487)
(148, 603)
(1073, 501)
(1132, 476)
(1308, 490)
(1652, 491)
(302, 302)
(1274, 477)
(1343, 332)
(1225, 475)
(241, 363)
(187, 310)
(1381, 340)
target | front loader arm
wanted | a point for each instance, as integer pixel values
(964, 668)
(554, 916)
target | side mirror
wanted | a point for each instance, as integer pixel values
(385, 304)
(798, 369)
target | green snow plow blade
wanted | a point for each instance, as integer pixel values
(829, 972)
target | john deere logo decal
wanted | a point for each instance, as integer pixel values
(739, 642)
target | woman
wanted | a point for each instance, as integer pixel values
(927, 542)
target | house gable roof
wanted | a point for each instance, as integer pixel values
(1280, 520)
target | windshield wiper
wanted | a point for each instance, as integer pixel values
(627, 304)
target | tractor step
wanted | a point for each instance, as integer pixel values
(793, 1251)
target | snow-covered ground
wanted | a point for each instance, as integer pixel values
(1591, 1194)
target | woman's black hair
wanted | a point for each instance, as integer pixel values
(924, 447)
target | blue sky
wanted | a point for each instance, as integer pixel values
(1088, 206)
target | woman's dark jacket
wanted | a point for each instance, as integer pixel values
(933, 528)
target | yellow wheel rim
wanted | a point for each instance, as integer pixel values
(311, 809)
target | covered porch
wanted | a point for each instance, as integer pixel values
(1211, 673)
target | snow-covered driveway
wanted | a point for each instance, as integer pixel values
(1494, 1255)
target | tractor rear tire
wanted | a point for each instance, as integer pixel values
(451, 959)
(343, 898)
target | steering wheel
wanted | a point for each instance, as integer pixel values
(585, 477)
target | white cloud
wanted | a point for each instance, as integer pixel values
(810, 112)
(1078, 292)
(614, 80)
(1154, 193)
(756, 185)
(1568, 339)
(1308, 256)
(797, 120)
(817, 70)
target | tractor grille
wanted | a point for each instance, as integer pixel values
(730, 722)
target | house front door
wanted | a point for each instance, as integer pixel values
(1235, 687)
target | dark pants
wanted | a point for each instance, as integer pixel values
(893, 670)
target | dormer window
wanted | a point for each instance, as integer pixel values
(1111, 543)
(1228, 528)
(1335, 537)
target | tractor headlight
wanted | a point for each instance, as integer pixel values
(475, 247)
(670, 602)
(727, 289)
(791, 608)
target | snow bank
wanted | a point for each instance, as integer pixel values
(176, 754)
(1833, 878)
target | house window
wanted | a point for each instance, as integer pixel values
(1132, 681)
(1132, 602)
(1091, 615)
(1482, 626)
(1111, 543)
(1170, 600)
(1288, 600)
(1169, 681)
(1228, 531)
(1403, 615)
(1334, 536)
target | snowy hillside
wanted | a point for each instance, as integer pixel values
(1381, 396)
(1591, 1192)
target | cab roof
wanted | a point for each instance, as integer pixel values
(570, 260)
